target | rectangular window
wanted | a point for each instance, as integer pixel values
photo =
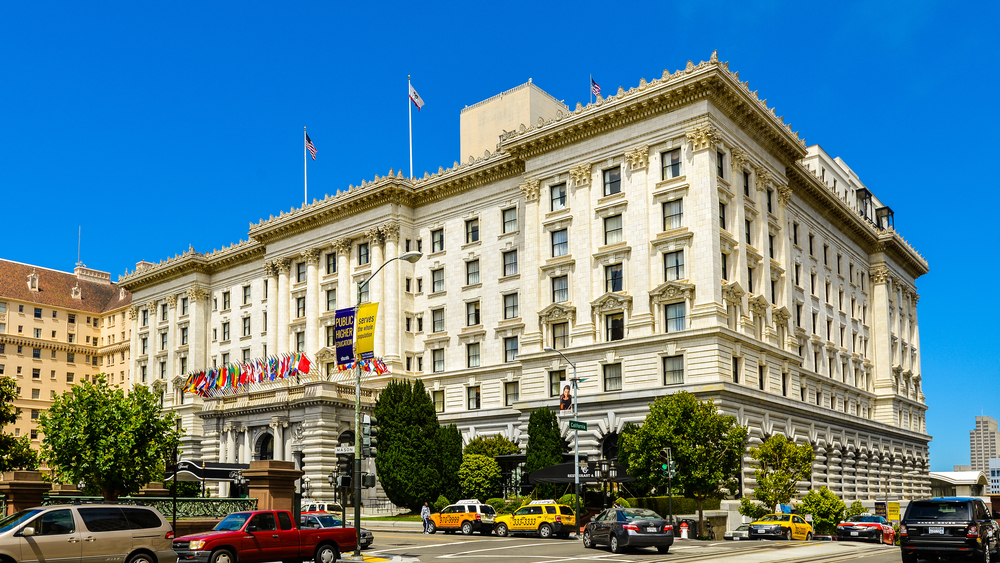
(826, 255)
(736, 369)
(472, 355)
(722, 215)
(510, 393)
(437, 240)
(36, 373)
(613, 230)
(671, 164)
(184, 336)
(761, 378)
(163, 370)
(437, 280)
(38, 333)
(795, 233)
(225, 359)
(560, 335)
(613, 280)
(300, 307)
(774, 292)
(437, 320)
(300, 272)
(746, 184)
(615, 327)
(438, 401)
(300, 342)
(226, 300)
(560, 243)
(509, 219)
(510, 306)
(839, 259)
(184, 364)
(472, 313)
(363, 255)
(770, 245)
(510, 349)
(673, 266)
(144, 317)
(675, 317)
(331, 300)
(472, 272)
(363, 290)
(420, 363)
(143, 345)
(184, 305)
(246, 296)
(798, 315)
(748, 224)
(556, 378)
(225, 331)
(770, 196)
(471, 231)
(720, 164)
(811, 238)
(749, 279)
(798, 273)
(558, 196)
(438, 356)
(613, 377)
(246, 326)
(331, 335)
(163, 341)
(331, 263)
(36, 353)
(38, 313)
(510, 263)
(163, 313)
(420, 324)
(473, 396)
(560, 289)
(613, 180)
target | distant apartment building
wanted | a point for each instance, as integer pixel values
(56, 330)
(995, 475)
(984, 443)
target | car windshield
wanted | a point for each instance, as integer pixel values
(233, 522)
(487, 509)
(775, 518)
(864, 518)
(640, 514)
(14, 520)
(329, 521)
(938, 511)
(743, 528)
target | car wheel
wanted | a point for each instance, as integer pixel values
(467, 528)
(788, 535)
(222, 556)
(663, 548)
(326, 553)
(431, 528)
(588, 542)
(809, 536)
(141, 558)
(615, 546)
(545, 531)
(502, 530)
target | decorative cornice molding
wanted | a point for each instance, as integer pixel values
(529, 188)
(704, 136)
(581, 174)
(638, 157)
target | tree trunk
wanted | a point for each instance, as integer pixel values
(701, 518)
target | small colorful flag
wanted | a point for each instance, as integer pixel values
(415, 98)
(310, 146)
(595, 88)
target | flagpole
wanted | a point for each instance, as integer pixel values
(409, 107)
(591, 88)
(305, 170)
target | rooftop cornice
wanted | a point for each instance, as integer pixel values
(192, 262)
(710, 80)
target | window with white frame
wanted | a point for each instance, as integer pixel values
(673, 214)
(246, 296)
(560, 335)
(613, 180)
(472, 313)
(437, 320)
(331, 300)
(438, 397)
(331, 263)
(612, 377)
(556, 379)
(471, 231)
(300, 341)
(473, 395)
(437, 240)
(511, 393)
(300, 275)
(722, 215)
(438, 358)
(613, 278)
(246, 326)
(560, 289)
(509, 219)
(472, 272)
(560, 243)
(558, 195)
(364, 257)
(331, 336)
(613, 229)
(437, 280)
(510, 306)
(614, 326)
(673, 370)
(671, 163)
(300, 307)
(510, 263)
(673, 265)
(184, 305)
(675, 317)
(472, 355)
(363, 290)
(510, 349)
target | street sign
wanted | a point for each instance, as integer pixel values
(577, 425)
(343, 450)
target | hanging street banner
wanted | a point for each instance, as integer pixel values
(366, 330)
(343, 324)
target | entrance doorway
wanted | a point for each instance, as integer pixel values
(265, 447)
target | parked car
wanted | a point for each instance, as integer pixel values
(866, 527)
(263, 535)
(467, 516)
(321, 507)
(545, 517)
(92, 532)
(781, 526)
(740, 533)
(947, 527)
(622, 528)
(330, 521)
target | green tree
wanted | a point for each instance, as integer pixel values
(779, 464)
(491, 446)
(480, 476)
(707, 447)
(545, 446)
(826, 508)
(646, 481)
(449, 455)
(15, 453)
(856, 509)
(113, 442)
(407, 445)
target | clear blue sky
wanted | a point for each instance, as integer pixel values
(159, 125)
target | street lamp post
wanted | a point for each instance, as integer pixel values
(576, 439)
(410, 257)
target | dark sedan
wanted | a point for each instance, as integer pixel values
(307, 521)
(622, 528)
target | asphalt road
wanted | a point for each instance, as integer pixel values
(447, 548)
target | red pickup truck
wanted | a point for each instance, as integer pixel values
(263, 535)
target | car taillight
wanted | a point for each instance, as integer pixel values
(973, 532)
(558, 518)
(630, 527)
(479, 516)
(169, 536)
(668, 528)
(902, 529)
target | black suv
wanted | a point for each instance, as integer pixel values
(948, 527)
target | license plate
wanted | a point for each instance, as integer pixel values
(854, 533)
(651, 529)
(935, 530)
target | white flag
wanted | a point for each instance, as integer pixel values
(415, 98)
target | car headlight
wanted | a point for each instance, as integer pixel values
(196, 545)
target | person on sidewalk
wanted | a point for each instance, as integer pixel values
(425, 515)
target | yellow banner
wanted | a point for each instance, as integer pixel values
(893, 512)
(365, 332)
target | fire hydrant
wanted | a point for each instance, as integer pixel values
(684, 530)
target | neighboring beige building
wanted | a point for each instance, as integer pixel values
(674, 236)
(984, 443)
(56, 330)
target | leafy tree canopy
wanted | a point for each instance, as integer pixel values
(449, 455)
(491, 446)
(109, 441)
(545, 446)
(826, 508)
(779, 465)
(480, 476)
(406, 457)
(15, 453)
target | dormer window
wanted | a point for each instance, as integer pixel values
(33, 281)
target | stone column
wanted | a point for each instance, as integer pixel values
(23, 489)
(530, 299)
(311, 258)
(376, 287)
(134, 352)
(283, 305)
(344, 292)
(637, 227)
(393, 293)
(173, 341)
(881, 327)
(701, 216)
(272, 483)
(247, 454)
(279, 440)
(271, 271)
(231, 446)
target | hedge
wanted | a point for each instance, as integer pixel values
(681, 505)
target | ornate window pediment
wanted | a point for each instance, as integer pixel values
(325, 355)
(671, 291)
(557, 312)
(471, 335)
(781, 315)
(733, 292)
(612, 254)
(672, 240)
(611, 302)
(558, 266)
(758, 305)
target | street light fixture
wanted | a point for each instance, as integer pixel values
(576, 437)
(305, 487)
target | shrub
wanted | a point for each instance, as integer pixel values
(513, 504)
(440, 503)
(623, 503)
(568, 499)
(479, 476)
(498, 504)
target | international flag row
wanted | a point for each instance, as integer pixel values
(237, 377)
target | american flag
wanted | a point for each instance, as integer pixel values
(310, 146)
(595, 88)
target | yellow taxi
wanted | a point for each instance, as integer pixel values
(467, 516)
(780, 527)
(546, 518)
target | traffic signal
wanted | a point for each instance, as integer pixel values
(344, 481)
(345, 464)
(665, 463)
(673, 469)
(367, 480)
(369, 436)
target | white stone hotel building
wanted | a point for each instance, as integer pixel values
(676, 235)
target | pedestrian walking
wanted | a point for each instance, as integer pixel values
(425, 515)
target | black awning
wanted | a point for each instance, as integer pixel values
(563, 473)
(196, 470)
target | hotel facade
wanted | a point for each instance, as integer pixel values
(673, 236)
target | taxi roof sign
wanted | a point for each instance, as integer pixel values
(543, 501)
(469, 501)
